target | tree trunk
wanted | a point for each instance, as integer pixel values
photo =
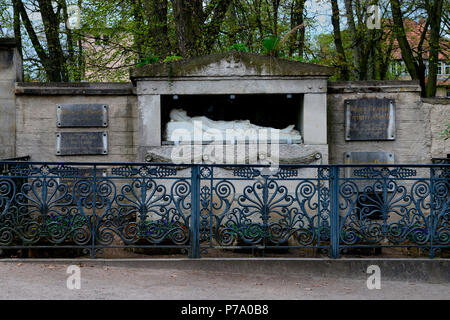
(342, 60)
(138, 28)
(434, 16)
(407, 53)
(194, 35)
(51, 22)
(383, 59)
(189, 23)
(40, 51)
(298, 39)
(156, 12)
(80, 63)
(70, 43)
(213, 28)
(275, 6)
(356, 53)
(17, 32)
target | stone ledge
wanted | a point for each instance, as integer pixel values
(199, 153)
(436, 100)
(373, 86)
(79, 88)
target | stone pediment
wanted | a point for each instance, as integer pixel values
(232, 64)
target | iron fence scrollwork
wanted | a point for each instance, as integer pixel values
(200, 207)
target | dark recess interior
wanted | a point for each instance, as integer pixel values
(267, 110)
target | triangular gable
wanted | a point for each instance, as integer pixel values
(232, 64)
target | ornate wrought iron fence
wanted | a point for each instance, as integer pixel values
(332, 208)
(440, 160)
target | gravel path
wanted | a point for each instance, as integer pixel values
(45, 281)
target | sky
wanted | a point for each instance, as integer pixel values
(321, 10)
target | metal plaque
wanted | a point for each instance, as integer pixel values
(370, 119)
(81, 143)
(81, 115)
(367, 158)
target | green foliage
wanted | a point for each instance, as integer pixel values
(172, 58)
(239, 47)
(116, 35)
(445, 135)
(150, 59)
(270, 45)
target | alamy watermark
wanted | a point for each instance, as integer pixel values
(74, 17)
(374, 280)
(74, 280)
(373, 17)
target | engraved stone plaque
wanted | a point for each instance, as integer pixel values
(81, 115)
(370, 119)
(81, 143)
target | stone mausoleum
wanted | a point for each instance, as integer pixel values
(328, 122)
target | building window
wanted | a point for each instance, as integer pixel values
(448, 92)
(394, 67)
(439, 72)
(447, 68)
(398, 68)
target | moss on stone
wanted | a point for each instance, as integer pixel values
(261, 64)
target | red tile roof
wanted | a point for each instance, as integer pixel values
(413, 30)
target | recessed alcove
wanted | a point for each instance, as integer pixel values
(266, 110)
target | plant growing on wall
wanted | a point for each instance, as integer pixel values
(272, 45)
(446, 133)
(148, 60)
(172, 58)
(239, 47)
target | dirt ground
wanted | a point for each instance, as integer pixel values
(47, 281)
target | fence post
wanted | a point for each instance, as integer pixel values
(94, 216)
(195, 201)
(432, 228)
(334, 198)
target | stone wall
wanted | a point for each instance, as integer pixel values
(33, 124)
(414, 134)
(36, 119)
(10, 71)
(439, 117)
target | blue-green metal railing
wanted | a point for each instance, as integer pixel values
(330, 208)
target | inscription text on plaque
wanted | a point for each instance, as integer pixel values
(370, 119)
(81, 143)
(81, 115)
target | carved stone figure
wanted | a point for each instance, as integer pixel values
(180, 123)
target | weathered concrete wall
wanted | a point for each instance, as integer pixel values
(418, 123)
(36, 119)
(413, 131)
(439, 117)
(10, 71)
